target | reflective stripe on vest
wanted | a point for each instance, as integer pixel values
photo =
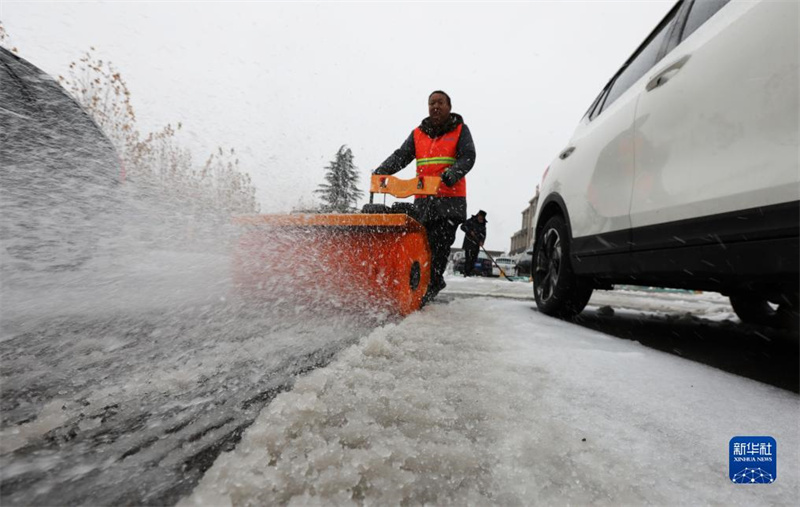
(435, 155)
(436, 160)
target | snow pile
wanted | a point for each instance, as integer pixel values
(654, 302)
(397, 418)
(486, 401)
(708, 305)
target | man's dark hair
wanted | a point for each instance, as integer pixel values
(443, 93)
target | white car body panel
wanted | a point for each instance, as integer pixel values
(597, 178)
(735, 146)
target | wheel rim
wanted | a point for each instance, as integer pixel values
(548, 265)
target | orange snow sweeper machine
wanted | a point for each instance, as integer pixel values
(376, 260)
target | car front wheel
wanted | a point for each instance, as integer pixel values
(558, 291)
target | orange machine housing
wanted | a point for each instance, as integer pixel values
(360, 262)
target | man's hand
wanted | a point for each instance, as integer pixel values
(448, 178)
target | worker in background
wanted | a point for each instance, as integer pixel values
(442, 146)
(474, 236)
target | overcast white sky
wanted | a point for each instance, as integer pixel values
(287, 83)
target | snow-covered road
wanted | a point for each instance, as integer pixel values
(141, 366)
(484, 400)
(147, 371)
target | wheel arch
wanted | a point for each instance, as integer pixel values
(552, 205)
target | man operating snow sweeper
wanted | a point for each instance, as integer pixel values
(442, 146)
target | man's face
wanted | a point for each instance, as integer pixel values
(438, 109)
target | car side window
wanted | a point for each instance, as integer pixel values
(701, 11)
(598, 104)
(593, 107)
(641, 63)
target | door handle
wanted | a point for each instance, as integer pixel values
(566, 153)
(666, 73)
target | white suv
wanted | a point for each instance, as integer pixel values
(684, 171)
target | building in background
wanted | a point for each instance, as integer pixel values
(523, 238)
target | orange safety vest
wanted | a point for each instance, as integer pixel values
(436, 155)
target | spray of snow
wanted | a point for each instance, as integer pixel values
(125, 347)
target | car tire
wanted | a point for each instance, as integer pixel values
(753, 308)
(556, 288)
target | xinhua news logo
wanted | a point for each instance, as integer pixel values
(753, 460)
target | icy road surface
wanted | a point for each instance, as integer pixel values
(124, 383)
(485, 401)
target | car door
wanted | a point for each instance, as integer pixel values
(595, 172)
(717, 123)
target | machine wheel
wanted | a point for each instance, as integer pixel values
(375, 209)
(405, 207)
(753, 308)
(558, 291)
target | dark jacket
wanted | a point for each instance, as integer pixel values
(474, 233)
(435, 208)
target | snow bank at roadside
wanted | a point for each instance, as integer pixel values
(486, 401)
(707, 305)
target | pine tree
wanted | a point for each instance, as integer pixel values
(341, 191)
